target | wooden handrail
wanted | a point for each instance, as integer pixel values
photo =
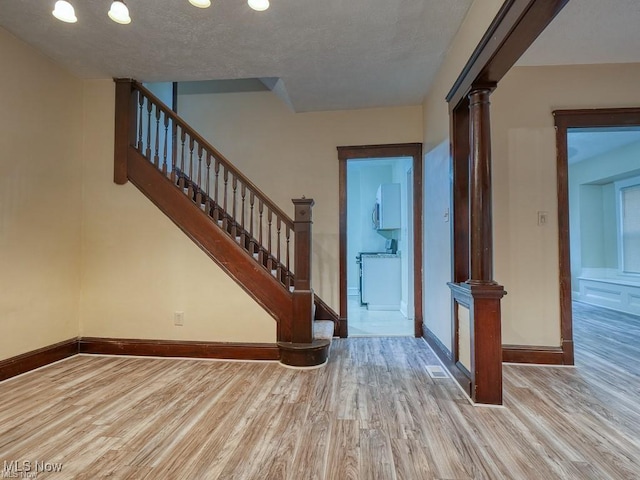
(197, 187)
(214, 152)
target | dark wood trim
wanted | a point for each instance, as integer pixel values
(301, 327)
(37, 358)
(513, 30)
(342, 240)
(446, 358)
(304, 354)
(532, 354)
(565, 119)
(460, 154)
(124, 129)
(179, 348)
(483, 302)
(413, 150)
(174, 97)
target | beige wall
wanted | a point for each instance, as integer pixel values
(437, 175)
(40, 193)
(524, 179)
(435, 109)
(288, 155)
(524, 175)
(138, 267)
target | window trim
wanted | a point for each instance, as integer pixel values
(620, 186)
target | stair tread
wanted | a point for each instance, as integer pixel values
(323, 329)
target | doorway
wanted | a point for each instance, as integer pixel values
(598, 187)
(380, 240)
(379, 247)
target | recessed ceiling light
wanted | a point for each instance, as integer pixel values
(119, 13)
(64, 11)
(200, 3)
(259, 5)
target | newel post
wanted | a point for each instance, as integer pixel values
(125, 127)
(302, 315)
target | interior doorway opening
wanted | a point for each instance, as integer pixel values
(380, 247)
(599, 227)
(380, 240)
(604, 219)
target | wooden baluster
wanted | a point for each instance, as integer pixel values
(243, 230)
(148, 150)
(181, 174)
(234, 215)
(216, 205)
(207, 202)
(252, 244)
(225, 214)
(199, 184)
(140, 145)
(166, 143)
(174, 150)
(269, 222)
(156, 157)
(287, 281)
(261, 256)
(190, 187)
(278, 239)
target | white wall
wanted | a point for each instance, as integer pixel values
(40, 198)
(363, 179)
(400, 168)
(592, 206)
(437, 243)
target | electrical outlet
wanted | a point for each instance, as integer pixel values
(543, 218)
(178, 319)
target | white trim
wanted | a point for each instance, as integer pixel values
(619, 187)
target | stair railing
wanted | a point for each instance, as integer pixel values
(228, 197)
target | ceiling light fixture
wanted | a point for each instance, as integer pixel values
(259, 5)
(64, 11)
(119, 12)
(200, 3)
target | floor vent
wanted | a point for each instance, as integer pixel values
(436, 371)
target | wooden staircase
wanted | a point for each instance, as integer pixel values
(264, 250)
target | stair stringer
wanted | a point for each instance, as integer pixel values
(216, 243)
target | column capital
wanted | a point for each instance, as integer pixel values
(480, 87)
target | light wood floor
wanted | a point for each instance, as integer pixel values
(372, 413)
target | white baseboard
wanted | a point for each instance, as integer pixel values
(404, 309)
(353, 291)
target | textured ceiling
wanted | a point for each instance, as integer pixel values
(331, 54)
(588, 32)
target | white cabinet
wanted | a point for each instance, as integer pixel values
(381, 284)
(386, 215)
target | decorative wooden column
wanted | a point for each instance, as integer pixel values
(481, 224)
(480, 293)
(485, 293)
(302, 323)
